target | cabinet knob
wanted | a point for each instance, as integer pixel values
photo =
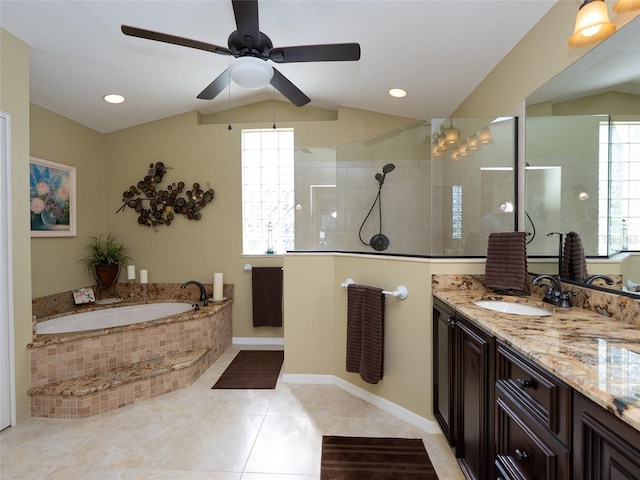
(451, 321)
(521, 454)
(524, 383)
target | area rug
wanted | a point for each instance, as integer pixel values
(365, 458)
(257, 369)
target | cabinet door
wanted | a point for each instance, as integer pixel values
(604, 447)
(474, 412)
(443, 369)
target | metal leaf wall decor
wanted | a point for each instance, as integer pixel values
(157, 206)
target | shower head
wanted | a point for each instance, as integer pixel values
(389, 167)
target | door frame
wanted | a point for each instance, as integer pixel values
(6, 260)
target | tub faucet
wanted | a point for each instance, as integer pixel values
(590, 280)
(203, 292)
(554, 293)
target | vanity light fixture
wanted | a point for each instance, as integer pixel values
(113, 98)
(250, 73)
(398, 93)
(592, 24)
(484, 136)
(453, 135)
(626, 6)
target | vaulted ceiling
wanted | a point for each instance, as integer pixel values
(437, 50)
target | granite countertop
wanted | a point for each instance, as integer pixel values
(597, 355)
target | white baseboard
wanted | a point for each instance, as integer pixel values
(258, 341)
(394, 409)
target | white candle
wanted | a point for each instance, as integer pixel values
(217, 286)
(144, 276)
(131, 272)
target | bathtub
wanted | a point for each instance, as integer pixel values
(110, 317)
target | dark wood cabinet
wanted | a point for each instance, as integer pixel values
(604, 447)
(463, 389)
(443, 372)
(474, 395)
(507, 418)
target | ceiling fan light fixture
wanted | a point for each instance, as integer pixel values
(592, 24)
(251, 73)
(626, 6)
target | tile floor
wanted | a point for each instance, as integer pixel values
(198, 433)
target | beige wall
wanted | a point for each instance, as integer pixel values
(14, 99)
(54, 261)
(315, 314)
(208, 153)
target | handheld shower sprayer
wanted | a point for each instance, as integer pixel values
(378, 242)
(389, 167)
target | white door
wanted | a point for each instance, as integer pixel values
(6, 275)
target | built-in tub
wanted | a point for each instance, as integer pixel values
(110, 317)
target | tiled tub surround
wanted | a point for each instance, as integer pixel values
(81, 374)
(597, 355)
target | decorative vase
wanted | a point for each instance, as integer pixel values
(106, 275)
(48, 217)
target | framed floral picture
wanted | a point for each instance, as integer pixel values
(52, 199)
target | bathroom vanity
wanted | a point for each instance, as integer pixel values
(535, 397)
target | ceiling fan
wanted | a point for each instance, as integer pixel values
(251, 49)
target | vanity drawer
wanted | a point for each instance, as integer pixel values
(525, 449)
(536, 391)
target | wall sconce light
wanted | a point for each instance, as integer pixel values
(626, 6)
(592, 24)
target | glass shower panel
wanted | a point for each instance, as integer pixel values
(473, 183)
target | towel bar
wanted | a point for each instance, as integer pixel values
(400, 292)
(247, 267)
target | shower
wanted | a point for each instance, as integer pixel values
(378, 242)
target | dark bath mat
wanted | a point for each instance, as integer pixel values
(364, 458)
(252, 369)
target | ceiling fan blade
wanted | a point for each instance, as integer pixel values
(288, 89)
(215, 87)
(246, 13)
(163, 37)
(336, 52)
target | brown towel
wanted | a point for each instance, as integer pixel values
(365, 332)
(574, 262)
(506, 266)
(266, 286)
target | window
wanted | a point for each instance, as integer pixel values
(267, 191)
(456, 211)
(619, 188)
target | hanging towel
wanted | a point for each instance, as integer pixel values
(266, 286)
(574, 262)
(506, 267)
(365, 332)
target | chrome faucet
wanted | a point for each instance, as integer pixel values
(554, 293)
(590, 280)
(203, 292)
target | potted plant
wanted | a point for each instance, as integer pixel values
(106, 257)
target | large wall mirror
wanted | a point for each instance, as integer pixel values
(582, 155)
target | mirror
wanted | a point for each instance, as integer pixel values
(583, 157)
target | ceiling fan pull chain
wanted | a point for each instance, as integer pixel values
(274, 108)
(229, 103)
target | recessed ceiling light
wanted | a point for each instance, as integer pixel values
(397, 92)
(113, 98)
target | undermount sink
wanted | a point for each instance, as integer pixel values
(512, 308)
